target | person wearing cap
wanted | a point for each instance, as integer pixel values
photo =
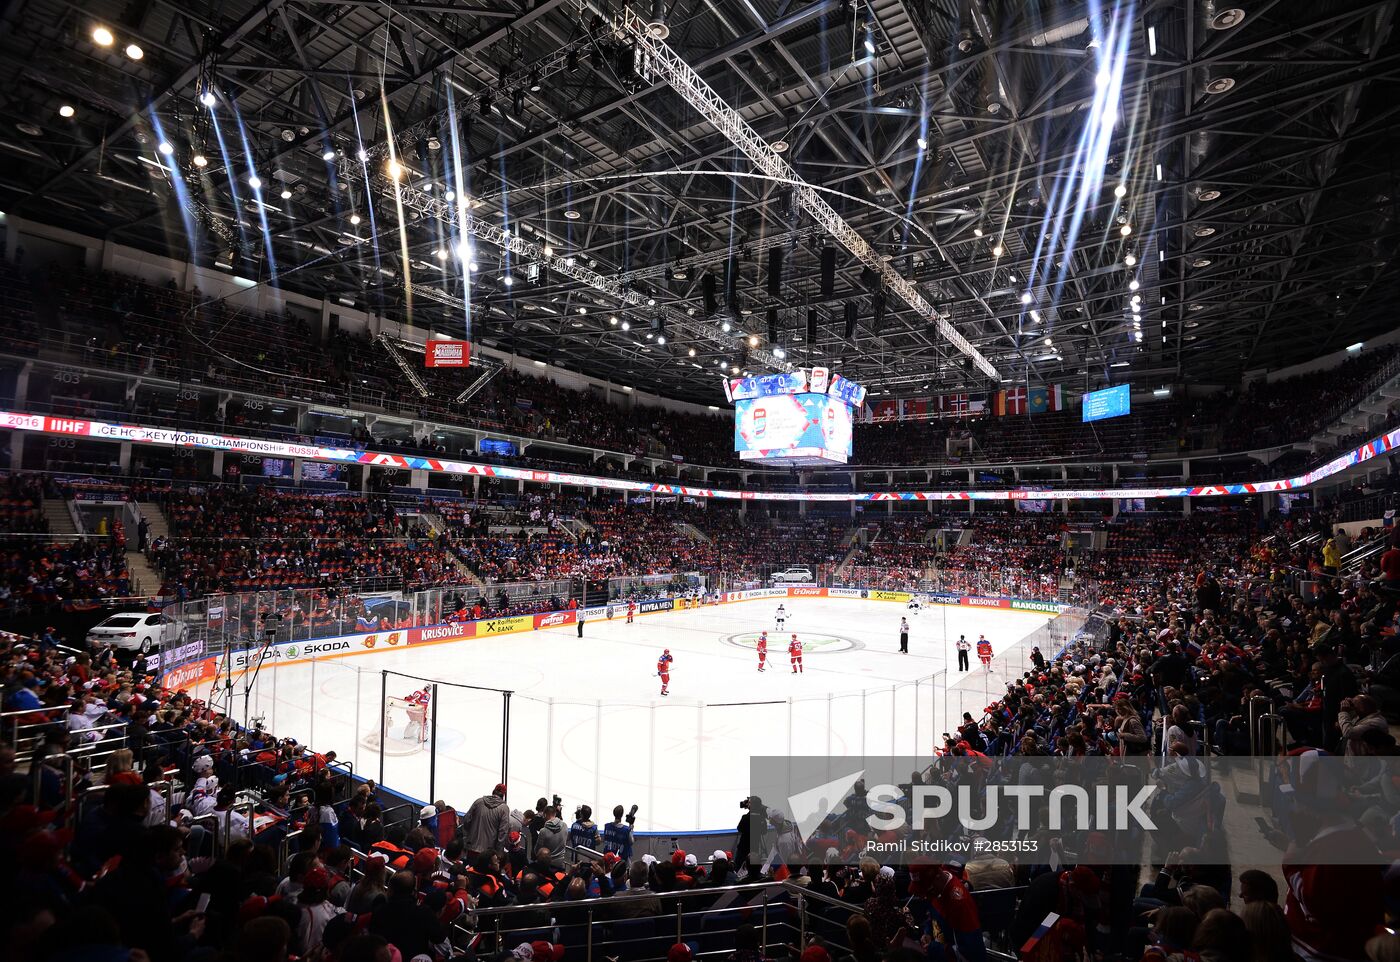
(583, 833)
(487, 823)
(315, 910)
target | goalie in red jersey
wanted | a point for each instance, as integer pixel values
(762, 650)
(663, 668)
(795, 655)
(418, 714)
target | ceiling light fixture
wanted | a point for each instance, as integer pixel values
(1152, 41)
(254, 182)
(753, 340)
(199, 160)
(207, 98)
(102, 36)
(1133, 284)
(165, 148)
(1120, 191)
(1026, 297)
(355, 219)
(626, 326)
(997, 250)
(134, 51)
(1125, 230)
(508, 281)
(328, 155)
(1159, 171)
(1130, 259)
(65, 111)
(286, 194)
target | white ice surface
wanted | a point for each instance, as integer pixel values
(587, 720)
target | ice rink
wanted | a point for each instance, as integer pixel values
(586, 720)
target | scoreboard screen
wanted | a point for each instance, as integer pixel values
(1113, 402)
(792, 429)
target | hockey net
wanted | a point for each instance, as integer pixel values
(406, 727)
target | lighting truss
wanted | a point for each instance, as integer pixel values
(446, 213)
(757, 246)
(438, 125)
(658, 63)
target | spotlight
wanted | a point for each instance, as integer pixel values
(286, 194)
(102, 36)
(626, 326)
(976, 232)
(508, 281)
(725, 327)
(355, 220)
(134, 51)
(661, 339)
(997, 251)
(254, 182)
(1120, 191)
(207, 97)
(395, 170)
(1133, 284)
(869, 41)
(651, 302)
(65, 111)
(691, 352)
(753, 340)
(441, 253)
(1125, 230)
(535, 81)
(165, 148)
(1026, 297)
(472, 267)
(361, 155)
(464, 251)
(1130, 260)
(328, 156)
(779, 353)
(199, 160)
(923, 142)
(612, 319)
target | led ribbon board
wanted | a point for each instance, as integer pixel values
(167, 437)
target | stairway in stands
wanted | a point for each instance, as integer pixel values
(59, 518)
(145, 580)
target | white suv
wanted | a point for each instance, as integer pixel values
(137, 631)
(793, 574)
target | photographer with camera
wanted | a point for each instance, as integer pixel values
(617, 834)
(583, 833)
(755, 812)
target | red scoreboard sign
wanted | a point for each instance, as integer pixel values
(448, 353)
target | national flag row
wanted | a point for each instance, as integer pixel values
(1015, 400)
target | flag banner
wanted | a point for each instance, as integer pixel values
(916, 407)
(886, 411)
(1042, 399)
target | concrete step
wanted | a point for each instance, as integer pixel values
(159, 527)
(145, 580)
(58, 516)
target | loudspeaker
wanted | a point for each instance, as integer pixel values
(731, 279)
(850, 320)
(878, 323)
(811, 326)
(775, 271)
(828, 271)
(707, 290)
(869, 279)
(772, 327)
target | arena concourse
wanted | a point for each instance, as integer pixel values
(536, 481)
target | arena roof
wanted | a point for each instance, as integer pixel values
(1007, 159)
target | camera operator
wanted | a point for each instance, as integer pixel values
(755, 812)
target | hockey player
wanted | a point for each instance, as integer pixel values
(915, 605)
(762, 650)
(663, 668)
(984, 652)
(780, 617)
(795, 654)
(631, 610)
(418, 714)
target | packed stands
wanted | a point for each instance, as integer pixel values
(112, 321)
